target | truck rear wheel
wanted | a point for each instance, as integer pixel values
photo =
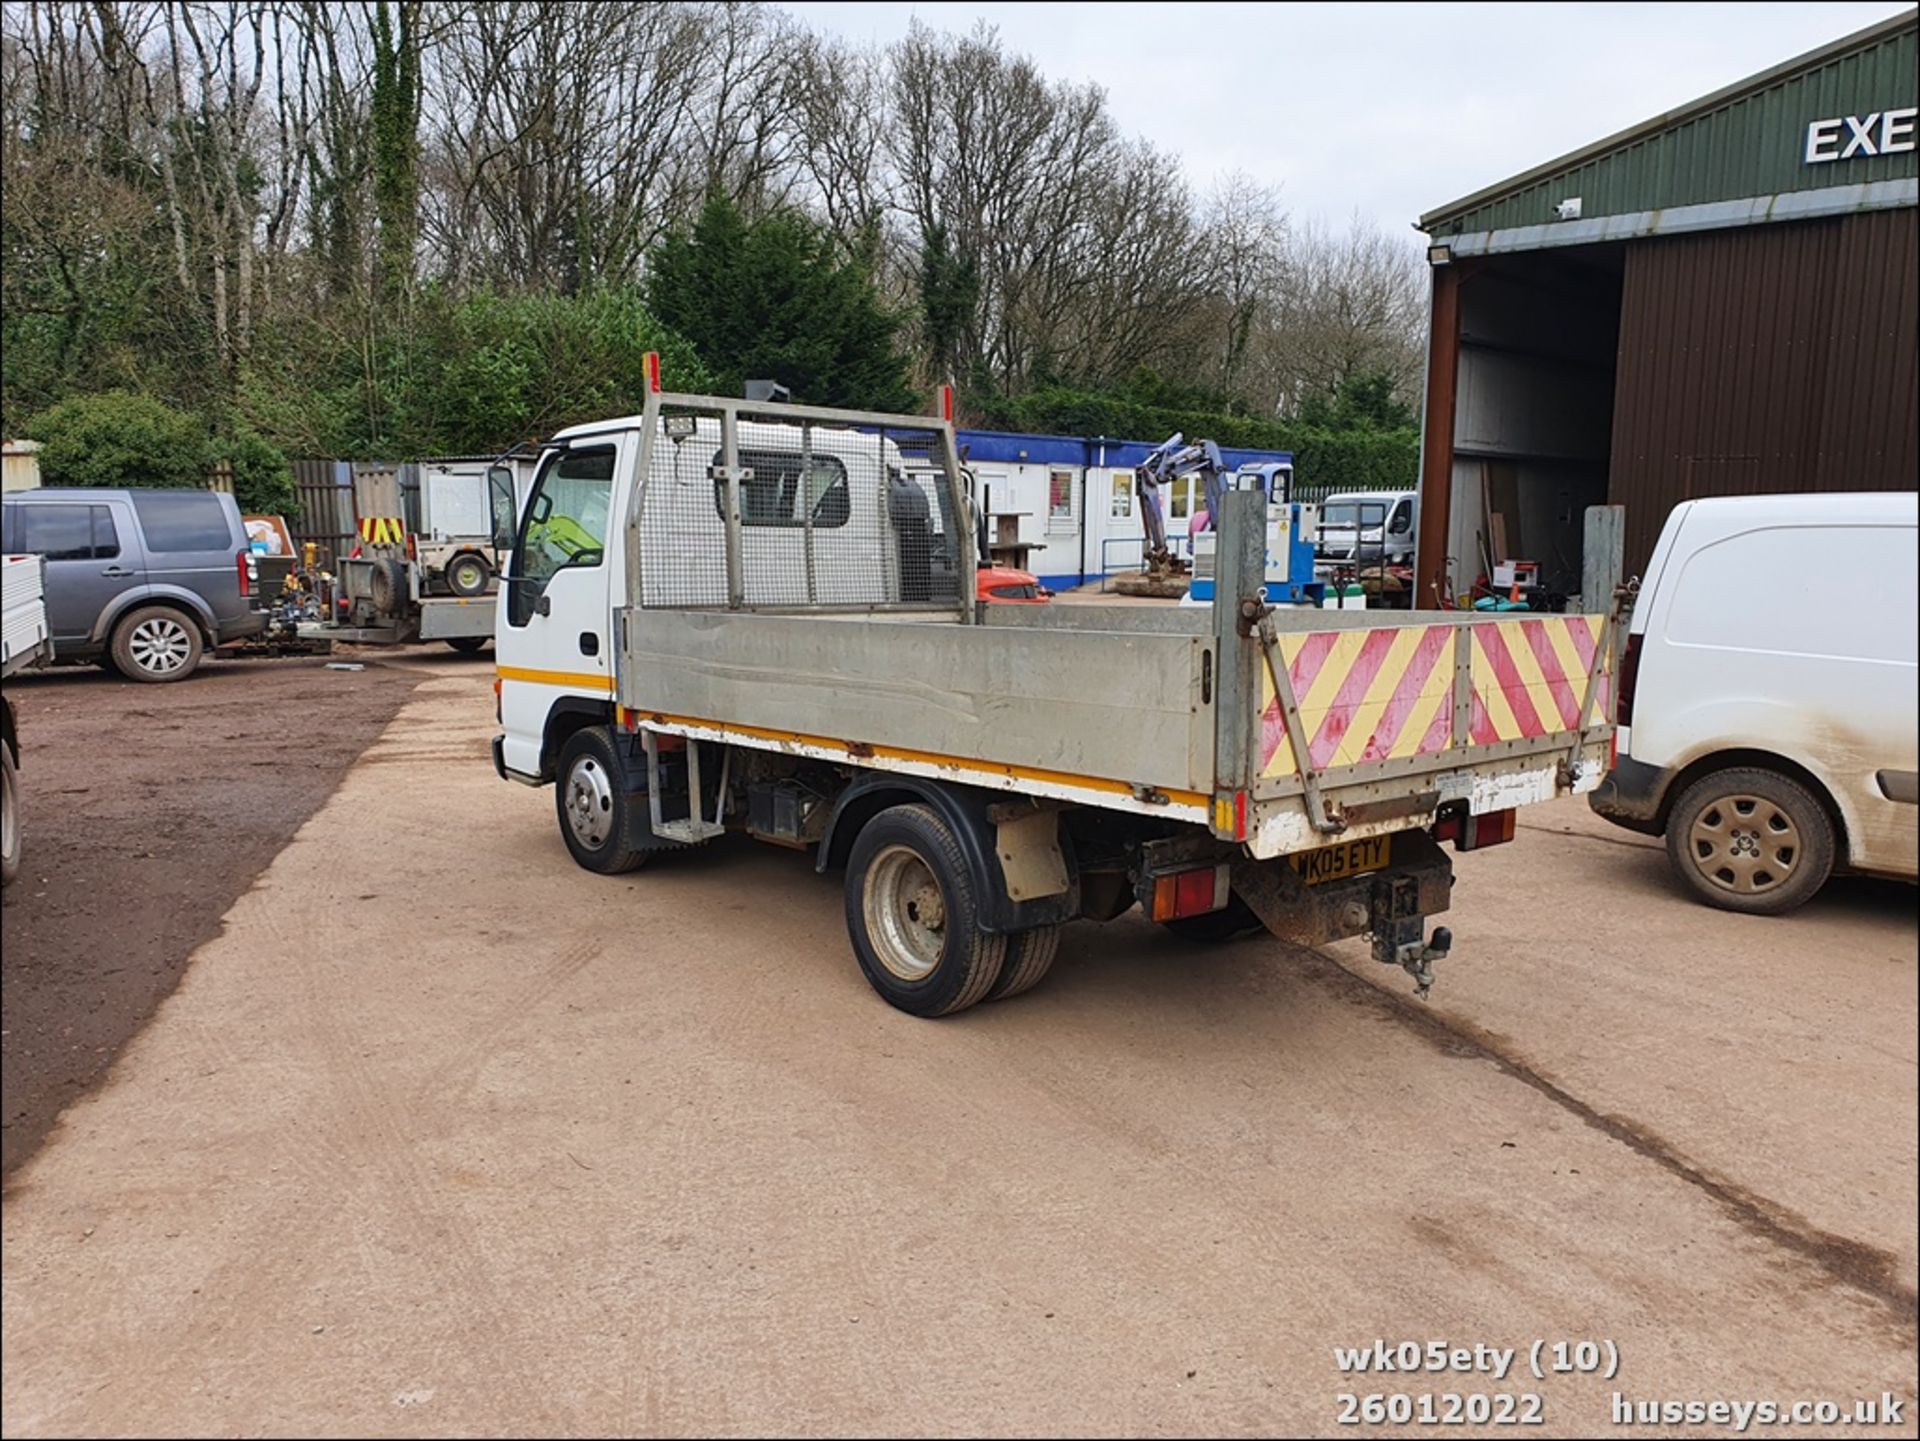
(597, 817)
(467, 644)
(1750, 840)
(1029, 957)
(913, 916)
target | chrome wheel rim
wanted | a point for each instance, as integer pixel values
(1744, 844)
(906, 914)
(589, 807)
(160, 646)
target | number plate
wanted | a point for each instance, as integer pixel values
(1349, 858)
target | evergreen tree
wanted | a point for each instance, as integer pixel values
(772, 299)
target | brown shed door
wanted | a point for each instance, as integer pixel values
(1771, 358)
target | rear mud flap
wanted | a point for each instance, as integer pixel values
(1391, 904)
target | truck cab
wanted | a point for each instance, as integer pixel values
(850, 523)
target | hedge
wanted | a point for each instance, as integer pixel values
(1324, 459)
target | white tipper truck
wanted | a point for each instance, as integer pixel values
(733, 615)
(24, 641)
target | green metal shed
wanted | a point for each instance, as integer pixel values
(1719, 300)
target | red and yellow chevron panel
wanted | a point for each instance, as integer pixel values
(383, 530)
(1530, 676)
(1388, 693)
(1364, 695)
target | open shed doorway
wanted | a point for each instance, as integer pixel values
(1539, 335)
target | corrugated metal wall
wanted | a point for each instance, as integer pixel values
(1772, 358)
(1752, 144)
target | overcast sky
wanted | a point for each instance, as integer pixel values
(1391, 110)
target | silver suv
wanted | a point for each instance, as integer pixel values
(142, 581)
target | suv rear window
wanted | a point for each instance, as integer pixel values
(183, 520)
(61, 531)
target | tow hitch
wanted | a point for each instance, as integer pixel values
(1399, 927)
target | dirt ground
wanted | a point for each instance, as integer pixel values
(147, 810)
(525, 1150)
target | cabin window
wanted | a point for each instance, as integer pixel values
(1059, 494)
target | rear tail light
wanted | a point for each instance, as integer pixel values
(243, 564)
(1190, 893)
(1476, 833)
(1629, 679)
(496, 700)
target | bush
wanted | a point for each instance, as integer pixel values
(262, 478)
(117, 438)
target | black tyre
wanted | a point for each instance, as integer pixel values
(1750, 840)
(105, 661)
(468, 644)
(1029, 957)
(913, 916)
(387, 586)
(469, 574)
(9, 817)
(1231, 922)
(157, 644)
(598, 820)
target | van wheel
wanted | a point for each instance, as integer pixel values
(597, 817)
(913, 917)
(468, 574)
(1750, 840)
(1029, 957)
(9, 817)
(156, 644)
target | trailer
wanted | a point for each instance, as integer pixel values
(25, 641)
(427, 563)
(725, 615)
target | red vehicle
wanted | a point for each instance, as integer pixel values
(1002, 584)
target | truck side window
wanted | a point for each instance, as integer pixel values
(565, 525)
(1402, 518)
(774, 495)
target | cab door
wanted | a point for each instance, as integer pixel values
(553, 633)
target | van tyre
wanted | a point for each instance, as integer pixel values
(1751, 840)
(156, 644)
(914, 918)
(1029, 957)
(469, 574)
(598, 818)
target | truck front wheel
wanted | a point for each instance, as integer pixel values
(597, 816)
(913, 916)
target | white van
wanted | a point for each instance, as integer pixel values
(1767, 696)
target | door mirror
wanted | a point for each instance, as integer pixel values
(500, 503)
